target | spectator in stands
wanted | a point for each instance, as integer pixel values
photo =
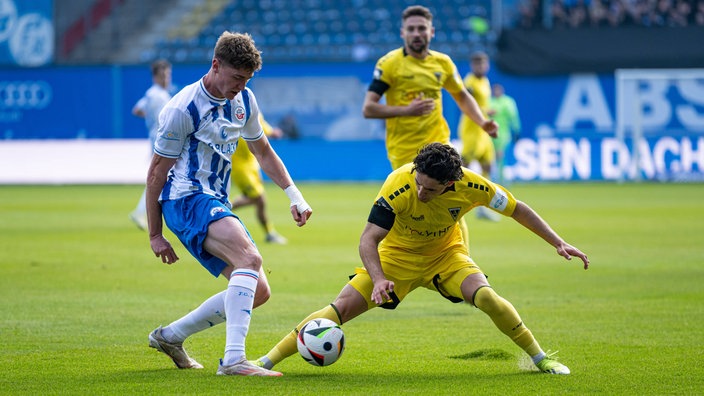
(699, 13)
(559, 14)
(148, 107)
(578, 14)
(530, 14)
(596, 13)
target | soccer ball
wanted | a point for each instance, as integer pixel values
(321, 342)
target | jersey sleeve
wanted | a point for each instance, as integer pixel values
(382, 78)
(453, 84)
(252, 128)
(174, 128)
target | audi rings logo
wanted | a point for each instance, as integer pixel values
(25, 94)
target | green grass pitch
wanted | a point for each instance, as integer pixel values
(80, 290)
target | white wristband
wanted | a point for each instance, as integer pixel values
(296, 199)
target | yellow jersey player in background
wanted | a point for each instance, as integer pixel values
(412, 239)
(476, 143)
(412, 79)
(247, 177)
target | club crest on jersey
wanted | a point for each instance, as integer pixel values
(216, 210)
(454, 212)
(239, 113)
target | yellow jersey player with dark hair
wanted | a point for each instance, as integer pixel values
(412, 239)
(247, 177)
(412, 79)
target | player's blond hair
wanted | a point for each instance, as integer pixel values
(238, 51)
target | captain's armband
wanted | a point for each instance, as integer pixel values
(382, 217)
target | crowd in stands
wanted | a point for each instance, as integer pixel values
(615, 13)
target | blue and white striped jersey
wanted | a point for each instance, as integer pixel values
(201, 131)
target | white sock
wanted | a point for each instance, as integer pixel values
(208, 314)
(537, 358)
(239, 300)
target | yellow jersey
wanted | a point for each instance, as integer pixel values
(480, 89)
(403, 78)
(426, 229)
(476, 143)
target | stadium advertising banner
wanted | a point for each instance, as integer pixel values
(575, 131)
(578, 127)
(26, 33)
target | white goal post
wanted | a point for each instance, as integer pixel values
(653, 103)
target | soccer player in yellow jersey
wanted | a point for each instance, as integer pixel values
(412, 240)
(412, 78)
(247, 177)
(476, 144)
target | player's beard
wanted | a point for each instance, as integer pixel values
(418, 46)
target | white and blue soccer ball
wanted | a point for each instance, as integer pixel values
(321, 342)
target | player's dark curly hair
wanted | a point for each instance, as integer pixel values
(439, 161)
(238, 51)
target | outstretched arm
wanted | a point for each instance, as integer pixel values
(528, 218)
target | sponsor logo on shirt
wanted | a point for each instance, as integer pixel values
(429, 233)
(500, 200)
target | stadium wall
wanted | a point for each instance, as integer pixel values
(73, 124)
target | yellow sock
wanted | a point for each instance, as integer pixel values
(287, 346)
(465, 231)
(506, 319)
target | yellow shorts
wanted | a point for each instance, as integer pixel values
(247, 177)
(443, 273)
(476, 143)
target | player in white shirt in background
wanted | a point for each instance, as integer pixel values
(148, 107)
(188, 183)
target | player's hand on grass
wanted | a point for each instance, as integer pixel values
(162, 248)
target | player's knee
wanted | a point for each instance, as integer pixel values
(486, 299)
(252, 260)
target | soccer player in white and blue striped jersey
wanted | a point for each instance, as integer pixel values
(189, 183)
